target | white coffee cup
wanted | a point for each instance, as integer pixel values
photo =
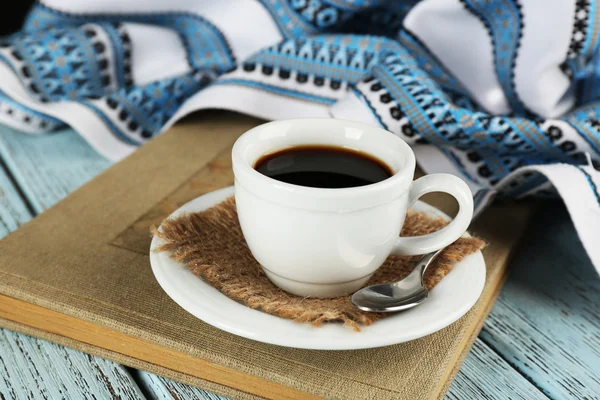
(328, 242)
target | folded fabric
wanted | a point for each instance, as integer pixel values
(503, 93)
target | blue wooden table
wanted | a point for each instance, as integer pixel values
(541, 340)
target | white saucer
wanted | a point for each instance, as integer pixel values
(447, 302)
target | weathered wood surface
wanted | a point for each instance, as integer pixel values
(546, 322)
(13, 211)
(485, 375)
(159, 388)
(48, 168)
(35, 369)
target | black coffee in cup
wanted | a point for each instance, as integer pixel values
(329, 167)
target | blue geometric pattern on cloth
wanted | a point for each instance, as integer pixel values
(206, 46)
(504, 22)
(588, 128)
(297, 18)
(344, 58)
(380, 20)
(303, 17)
(585, 39)
(333, 62)
(592, 41)
(61, 63)
(121, 52)
(494, 145)
(143, 111)
(37, 120)
(584, 47)
(588, 82)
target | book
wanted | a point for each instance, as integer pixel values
(79, 275)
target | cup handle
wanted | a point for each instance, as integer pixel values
(413, 245)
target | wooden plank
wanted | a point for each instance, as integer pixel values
(159, 388)
(547, 320)
(485, 375)
(49, 167)
(35, 369)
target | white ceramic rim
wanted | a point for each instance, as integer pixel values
(319, 198)
(448, 301)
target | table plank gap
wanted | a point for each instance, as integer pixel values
(13, 210)
(13, 194)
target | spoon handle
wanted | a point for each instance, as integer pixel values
(425, 262)
(481, 205)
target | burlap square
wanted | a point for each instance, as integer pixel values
(212, 245)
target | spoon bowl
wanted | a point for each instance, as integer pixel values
(397, 296)
(382, 298)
